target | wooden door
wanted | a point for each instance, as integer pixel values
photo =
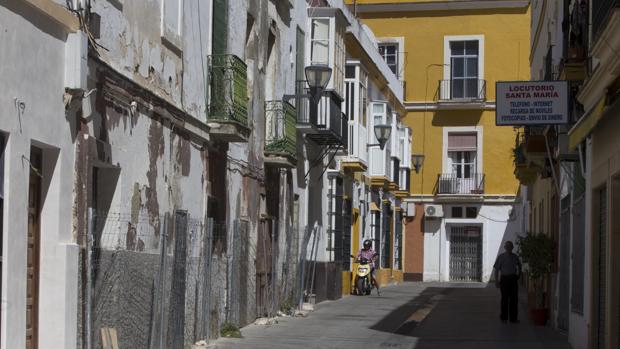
(34, 215)
(264, 266)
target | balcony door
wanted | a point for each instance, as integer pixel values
(464, 69)
(462, 163)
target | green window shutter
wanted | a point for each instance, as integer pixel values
(220, 26)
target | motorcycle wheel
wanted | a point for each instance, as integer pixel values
(359, 285)
(367, 288)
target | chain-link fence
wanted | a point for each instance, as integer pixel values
(171, 281)
(161, 283)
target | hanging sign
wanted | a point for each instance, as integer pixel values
(521, 103)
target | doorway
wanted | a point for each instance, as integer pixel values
(465, 253)
(2, 146)
(34, 234)
(264, 267)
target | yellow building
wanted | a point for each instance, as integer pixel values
(448, 55)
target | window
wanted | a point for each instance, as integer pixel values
(457, 212)
(319, 46)
(350, 71)
(363, 97)
(463, 163)
(464, 69)
(462, 149)
(471, 212)
(172, 21)
(339, 60)
(378, 117)
(389, 52)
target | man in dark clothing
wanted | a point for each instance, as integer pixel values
(509, 266)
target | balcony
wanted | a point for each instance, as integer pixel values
(328, 124)
(451, 184)
(461, 94)
(356, 159)
(533, 144)
(525, 171)
(227, 100)
(573, 64)
(404, 183)
(280, 134)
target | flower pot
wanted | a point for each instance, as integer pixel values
(538, 316)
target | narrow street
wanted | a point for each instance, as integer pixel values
(410, 315)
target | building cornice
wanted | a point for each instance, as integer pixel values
(56, 13)
(485, 199)
(426, 106)
(415, 6)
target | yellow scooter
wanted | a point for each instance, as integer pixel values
(363, 282)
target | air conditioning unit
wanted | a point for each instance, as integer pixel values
(433, 211)
(562, 153)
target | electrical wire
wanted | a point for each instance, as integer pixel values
(34, 169)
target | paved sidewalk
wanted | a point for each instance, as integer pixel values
(411, 315)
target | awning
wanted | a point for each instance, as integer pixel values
(462, 141)
(586, 124)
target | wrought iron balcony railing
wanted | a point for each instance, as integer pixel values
(450, 183)
(227, 94)
(302, 104)
(280, 135)
(462, 90)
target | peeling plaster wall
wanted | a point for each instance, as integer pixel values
(133, 39)
(144, 137)
(32, 52)
(246, 176)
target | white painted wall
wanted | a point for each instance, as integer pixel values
(32, 52)
(497, 228)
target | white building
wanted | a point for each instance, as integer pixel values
(41, 56)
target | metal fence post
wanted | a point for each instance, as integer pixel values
(208, 255)
(89, 279)
(163, 236)
(274, 266)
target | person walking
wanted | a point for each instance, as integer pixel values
(509, 266)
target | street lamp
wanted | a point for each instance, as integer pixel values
(382, 132)
(417, 160)
(318, 76)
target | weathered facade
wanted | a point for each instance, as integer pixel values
(165, 172)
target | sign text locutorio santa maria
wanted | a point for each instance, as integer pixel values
(531, 102)
(532, 92)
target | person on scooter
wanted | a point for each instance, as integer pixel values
(370, 254)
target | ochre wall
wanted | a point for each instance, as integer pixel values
(506, 57)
